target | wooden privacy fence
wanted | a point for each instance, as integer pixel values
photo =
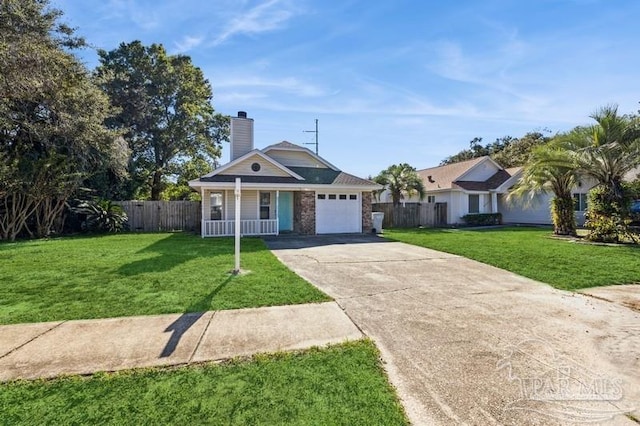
(412, 215)
(151, 216)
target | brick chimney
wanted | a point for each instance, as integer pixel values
(241, 135)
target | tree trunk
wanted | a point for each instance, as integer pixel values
(562, 213)
(16, 208)
(156, 185)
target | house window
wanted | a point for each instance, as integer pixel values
(216, 206)
(265, 205)
(431, 198)
(322, 196)
(474, 203)
(580, 202)
(353, 197)
(343, 196)
(332, 196)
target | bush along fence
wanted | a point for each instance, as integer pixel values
(412, 215)
(483, 219)
(153, 216)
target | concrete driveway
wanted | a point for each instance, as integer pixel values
(467, 343)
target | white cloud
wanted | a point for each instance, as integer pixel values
(289, 85)
(187, 43)
(267, 16)
(145, 18)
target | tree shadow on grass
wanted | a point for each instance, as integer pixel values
(193, 313)
(180, 248)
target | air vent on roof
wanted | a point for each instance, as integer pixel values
(430, 178)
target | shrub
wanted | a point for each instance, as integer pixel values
(608, 216)
(102, 216)
(483, 219)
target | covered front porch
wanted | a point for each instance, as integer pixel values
(262, 212)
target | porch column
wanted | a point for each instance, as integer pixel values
(277, 212)
(494, 202)
(202, 212)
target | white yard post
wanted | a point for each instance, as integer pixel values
(236, 270)
(277, 212)
(202, 224)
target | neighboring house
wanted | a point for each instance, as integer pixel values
(481, 185)
(284, 188)
(466, 187)
(539, 210)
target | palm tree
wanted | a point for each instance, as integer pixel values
(550, 170)
(402, 181)
(606, 152)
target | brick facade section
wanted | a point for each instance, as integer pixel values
(304, 212)
(367, 220)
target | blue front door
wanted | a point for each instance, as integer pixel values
(285, 211)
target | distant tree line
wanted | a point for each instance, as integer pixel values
(139, 126)
(506, 151)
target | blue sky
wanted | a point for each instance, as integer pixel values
(390, 80)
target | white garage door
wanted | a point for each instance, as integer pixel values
(338, 213)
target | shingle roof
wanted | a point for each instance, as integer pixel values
(329, 177)
(347, 179)
(250, 179)
(513, 170)
(315, 175)
(493, 182)
(445, 177)
(311, 175)
(284, 145)
(442, 177)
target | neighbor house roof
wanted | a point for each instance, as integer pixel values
(493, 182)
(449, 176)
(442, 177)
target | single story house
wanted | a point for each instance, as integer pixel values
(284, 188)
(481, 185)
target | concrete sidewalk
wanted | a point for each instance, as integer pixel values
(44, 350)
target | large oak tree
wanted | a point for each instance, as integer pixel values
(51, 120)
(164, 110)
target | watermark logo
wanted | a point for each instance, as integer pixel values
(558, 387)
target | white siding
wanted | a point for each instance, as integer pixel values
(294, 158)
(540, 211)
(244, 168)
(485, 203)
(458, 207)
(514, 212)
(206, 205)
(248, 205)
(480, 172)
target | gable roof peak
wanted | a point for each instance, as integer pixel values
(288, 146)
(285, 145)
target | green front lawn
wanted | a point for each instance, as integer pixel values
(533, 253)
(343, 384)
(140, 274)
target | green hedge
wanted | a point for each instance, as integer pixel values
(480, 219)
